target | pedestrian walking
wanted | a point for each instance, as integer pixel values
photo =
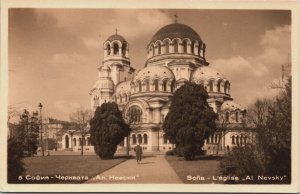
(138, 151)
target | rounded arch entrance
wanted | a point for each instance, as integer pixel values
(67, 144)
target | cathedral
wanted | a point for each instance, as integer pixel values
(175, 54)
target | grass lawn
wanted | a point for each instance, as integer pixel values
(70, 165)
(203, 170)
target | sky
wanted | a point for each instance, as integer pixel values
(54, 53)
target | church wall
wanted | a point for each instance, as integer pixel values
(182, 64)
(154, 140)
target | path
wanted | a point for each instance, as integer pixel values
(153, 169)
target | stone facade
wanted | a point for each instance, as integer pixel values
(175, 54)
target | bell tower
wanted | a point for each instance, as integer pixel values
(116, 57)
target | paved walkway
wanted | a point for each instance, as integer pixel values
(153, 169)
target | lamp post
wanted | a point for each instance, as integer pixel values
(41, 120)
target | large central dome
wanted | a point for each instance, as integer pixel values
(176, 30)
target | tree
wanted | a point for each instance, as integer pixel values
(270, 154)
(26, 132)
(108, 129)
(15, 154)
(80, 121)
(190, 120)
(221, 131)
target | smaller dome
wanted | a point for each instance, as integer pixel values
(116, 37)
(206, 73)
(123, 87)
(104, 83)
(154, 72)
(231, 106)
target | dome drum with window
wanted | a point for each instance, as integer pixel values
(154, 79)
(116, 45)
(232, 112)
(176, 38)
(213, 81)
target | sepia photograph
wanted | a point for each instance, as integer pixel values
(157, 96)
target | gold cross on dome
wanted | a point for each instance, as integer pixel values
(175, 17)
(116, 30)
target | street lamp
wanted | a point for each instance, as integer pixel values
(41, 120)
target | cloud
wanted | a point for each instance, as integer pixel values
(251, 76)
(132, 24)
(68, 60)
(65, 108)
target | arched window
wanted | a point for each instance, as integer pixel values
(108, 49)
(227, 117)
(156, 85)
(175, 46)
(88, 141)
(140, 86)
(145, 137)
(199, 49)
(67, 141)
(80, 142)
(185, 46)
(124, 45)
(228, 149)
(237, 117)
(211, 85)
(96, 101)
(226, 87)
(162, 117)
(241, 140)
(165, 85)
(216, 138)
(165, 139)
(159, 48)
(74, 141)
(192, 47)
(140, 139)
(116, 49)
(133, 139)
(172, 86)
(167, 46)
(232, 140)
(212, 139)
(207, 140)
(245, 140)
(219, 86)
(134, 114)
(153, 51)
(84, 142)
(147, 85)
(237, 140)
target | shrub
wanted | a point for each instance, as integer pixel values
(15, 165)
(170, 153)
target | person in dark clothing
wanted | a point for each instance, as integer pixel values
(138, 151)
